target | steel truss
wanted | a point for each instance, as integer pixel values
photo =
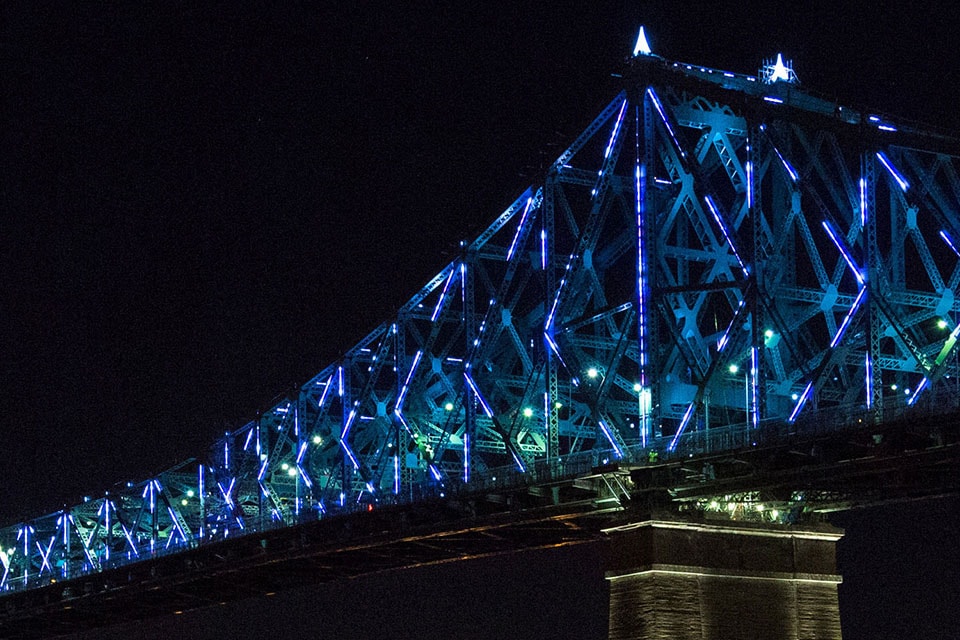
(711, 252)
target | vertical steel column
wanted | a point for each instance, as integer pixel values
(875, 331)
(759, 255)
(468, 266)
(346, 481)
(399, 353)
(649, 204)
(549, 288)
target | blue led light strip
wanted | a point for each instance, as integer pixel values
(609, 436)
(726, 234)
(863, 202)
(800, 402)
(885, 161)
(666, 122)
(553, 347)
(916, 392)
(683, 425)
(443, 295)
(640, 179)
(844, 252)
(754, 388)
(794, 176)
(949, 241)
(849, 316)
(476, 392)
(516, 236)
(406, 383)
(725, 338)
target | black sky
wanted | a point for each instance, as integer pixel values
(202, 204)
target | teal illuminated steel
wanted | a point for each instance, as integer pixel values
(703, 219)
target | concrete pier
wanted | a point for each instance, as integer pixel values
(698, 581)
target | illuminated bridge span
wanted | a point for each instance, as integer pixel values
(720, 264)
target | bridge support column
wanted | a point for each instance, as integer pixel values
(682, 580)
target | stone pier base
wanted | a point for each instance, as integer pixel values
(698, 581)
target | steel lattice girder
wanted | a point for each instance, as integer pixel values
(701, 220)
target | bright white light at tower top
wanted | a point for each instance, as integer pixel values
(642, 48)
(778, 72)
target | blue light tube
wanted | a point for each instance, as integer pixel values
(556, 299)
(346, 427)
(726, 234)
(683, 425)
(473, 387)
(749, 169)
(340, 380)
(466, 457)
(885, 161)
(129, 537)
(800, 402)
(396, 475)
(616, 130)
(45, 555)
(640, 172)
(843, 251)
(353, 459)
(518, 461)
(754, 387)
(609, 436)
(246, 443)
(406, 383)
(725, 338)
(794, 176)
(300, 454)
(946, 238)
(543, 249)
(516, 236)
(863, 202)
(553, 347)
(403, 421)
(306, 478)
(773, 99)
(916, 392)
(263, 469)
(868, 368)
(663, 117)
(443, 295)
(176, 523)
(126, 533)
(435, 472)
(849, 316)
(226, 492)
(326, 389)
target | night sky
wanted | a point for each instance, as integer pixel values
(202, 205)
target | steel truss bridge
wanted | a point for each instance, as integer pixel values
(720, 265)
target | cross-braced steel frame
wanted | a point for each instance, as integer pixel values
(715, 258)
